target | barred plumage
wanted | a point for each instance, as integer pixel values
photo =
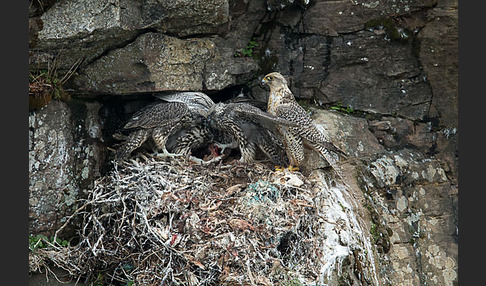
(185, 121)
(251, 128)
(197, 133)
(282, 104)
(179, 112)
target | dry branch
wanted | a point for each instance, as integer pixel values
(157, 222)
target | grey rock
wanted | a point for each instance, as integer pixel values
(84, 30)
(363, 70)
(305, 56)
(438, 54)
(395, 132)
(76, 30)
(414, 198)
(371, 74)
(350, 134)
(153, 62)
(224, 70)
(331, 18)
(200, 17)
(273, 5)
(439, 57)
(81, 18)
(63, 160)
(406, 167)
(157, 62)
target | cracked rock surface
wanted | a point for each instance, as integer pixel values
(380, 77)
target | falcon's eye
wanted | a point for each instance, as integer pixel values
(270, 77)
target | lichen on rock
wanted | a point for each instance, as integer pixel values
(55, 183)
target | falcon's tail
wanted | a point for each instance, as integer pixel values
(325, 152)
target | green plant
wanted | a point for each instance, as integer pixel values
(340, 107)
(47, 83)
(374, 232)
(99, 280)
(294, 282)
(42, 241)
(248, 50)
(37, 241)
(391, 27)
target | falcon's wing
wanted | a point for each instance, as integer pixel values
(292, 111)
(263, 117)
(261, 104)
(158, 115)
(193, 99)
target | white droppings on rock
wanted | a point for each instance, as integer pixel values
(385, 170)
(400, 162)
(344, 233)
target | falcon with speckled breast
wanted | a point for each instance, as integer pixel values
(282, 104)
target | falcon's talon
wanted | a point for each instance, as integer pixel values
(223, 146)
(293, 168)
(166, 154)
(279, 168)
(196, 160)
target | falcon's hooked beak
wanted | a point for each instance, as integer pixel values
(267, 79)
(264, 81)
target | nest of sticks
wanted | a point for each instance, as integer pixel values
(154, 221)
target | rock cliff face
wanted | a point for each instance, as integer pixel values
(388, 69)
(65, 154)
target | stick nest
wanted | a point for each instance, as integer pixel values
(155, 221)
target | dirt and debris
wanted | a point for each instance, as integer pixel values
(166, 221)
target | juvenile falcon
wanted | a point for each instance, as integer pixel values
(251, 128)
(162, 119)
(282, 104)
(196, 134)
